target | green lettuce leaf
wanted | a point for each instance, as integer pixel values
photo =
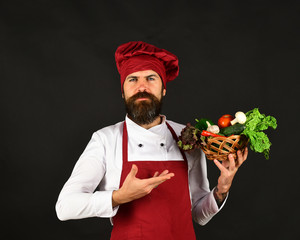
(255, 124)
(259, 142)
(259, 122)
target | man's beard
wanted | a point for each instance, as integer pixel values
(144, 111)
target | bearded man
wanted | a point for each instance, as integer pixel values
(133, 172)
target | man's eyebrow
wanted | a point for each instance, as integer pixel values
(131, 76)
(152, 75)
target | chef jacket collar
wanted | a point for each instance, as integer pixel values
(159, 129)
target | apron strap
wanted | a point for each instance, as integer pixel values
(125, 144)
(176, 139)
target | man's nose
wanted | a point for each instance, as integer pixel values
(143, 86)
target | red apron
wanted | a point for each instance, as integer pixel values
(165, 213)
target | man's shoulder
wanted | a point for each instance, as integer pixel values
(111, 130)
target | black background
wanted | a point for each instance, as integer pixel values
(59, 84)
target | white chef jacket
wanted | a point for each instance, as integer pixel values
(88, 191)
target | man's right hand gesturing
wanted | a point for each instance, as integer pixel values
(135, 188)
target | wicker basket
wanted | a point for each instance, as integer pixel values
(219, 147)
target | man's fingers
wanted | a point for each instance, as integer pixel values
(241, 157)
(164, 177)
(231, 162)
(164, 173)
(159, 179)
(226, 163)
(219, 165)
(156, 184)
(134, 170)
(245, 154)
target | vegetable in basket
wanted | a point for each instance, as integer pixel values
(209, 134)
(203, 123)
(252, 124)
(240, 117)
(189, 138)
(212, 128)
(255, 124)
(225, 120)
(235, 129)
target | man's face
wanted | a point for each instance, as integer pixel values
(143, 92)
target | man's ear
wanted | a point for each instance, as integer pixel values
(164, 92)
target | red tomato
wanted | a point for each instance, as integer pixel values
(224, 121)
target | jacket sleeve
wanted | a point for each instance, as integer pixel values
(204, 205)
(78, 198)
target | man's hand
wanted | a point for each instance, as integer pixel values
(228, 170)
(134, 188)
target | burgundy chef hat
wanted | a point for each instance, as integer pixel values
(138, 56)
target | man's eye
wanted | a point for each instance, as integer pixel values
(132, 80)
(151, 78)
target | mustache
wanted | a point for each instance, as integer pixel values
(142, 95)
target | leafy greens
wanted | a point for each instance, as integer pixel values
(255, 125)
